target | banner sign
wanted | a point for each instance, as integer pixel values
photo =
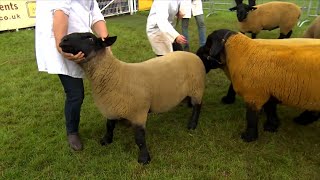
(144, 4)
(15, 14)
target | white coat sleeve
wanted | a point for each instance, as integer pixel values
(96, 13)
(162, 15)
(63, 5)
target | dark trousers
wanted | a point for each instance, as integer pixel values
(73, 87)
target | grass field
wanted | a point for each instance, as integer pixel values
(32, 130)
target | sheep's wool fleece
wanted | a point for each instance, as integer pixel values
(130, 90)
(288, 70)
(270, 15)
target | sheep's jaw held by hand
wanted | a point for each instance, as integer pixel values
(87, 43)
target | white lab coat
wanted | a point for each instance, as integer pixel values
(160, 25)
(82, 14)
(191, 8)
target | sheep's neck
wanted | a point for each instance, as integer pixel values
(102, 69)
(236, 44)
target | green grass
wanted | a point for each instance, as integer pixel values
(32, 130)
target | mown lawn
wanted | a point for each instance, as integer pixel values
(32, 130)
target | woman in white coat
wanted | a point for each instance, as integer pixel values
(160, 26)
(193, 8)
(54, 20)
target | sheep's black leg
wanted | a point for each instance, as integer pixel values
(289, 34)
(108, 137)
(307, 117)
(272, 123)
(230, 97)
(253, 35)
(139, 134)
(282, 36)
(193, 122)
(251, 132)
(187, 100)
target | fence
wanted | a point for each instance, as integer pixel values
(117, 7)
(212, 6)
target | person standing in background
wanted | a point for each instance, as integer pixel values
(160, 26)
(193, 8)
(54, 20)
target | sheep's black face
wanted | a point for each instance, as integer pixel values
(87, 43)
(210, 52)
(76, 42)
(203, 53)
(242, 11)
(215, 43)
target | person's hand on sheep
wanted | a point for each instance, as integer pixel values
(180, 15)
(181, 39)
(76, 58)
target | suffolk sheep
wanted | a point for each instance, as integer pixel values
(203, 52)
(132, 90)
(266, 74)
(267, 16)
(305, 118)
(313, 31)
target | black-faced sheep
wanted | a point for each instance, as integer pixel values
(266, 74)
(203, 52)
(313, 31)
(131, 90)
(267, 16)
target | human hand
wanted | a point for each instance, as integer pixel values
(180, 15)
(76, 58)
(181, 39)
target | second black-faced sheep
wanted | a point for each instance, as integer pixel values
(266, 74)
(131, 90)
(267, 16)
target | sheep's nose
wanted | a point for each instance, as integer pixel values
(64, 39)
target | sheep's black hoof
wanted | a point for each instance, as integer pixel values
(249, 136)
(270, 127)
(144, 159)
(305, 118)
(228, 100)
(105, 141)
(192, 125)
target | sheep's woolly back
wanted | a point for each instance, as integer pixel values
(313, 30)
(271, 15)
(288, 71)
(130, 90)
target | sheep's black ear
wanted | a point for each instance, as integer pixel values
(233, 8)
(109, 41)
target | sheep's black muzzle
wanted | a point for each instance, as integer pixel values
(209, 62)
(66, 46)
(242, 15)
